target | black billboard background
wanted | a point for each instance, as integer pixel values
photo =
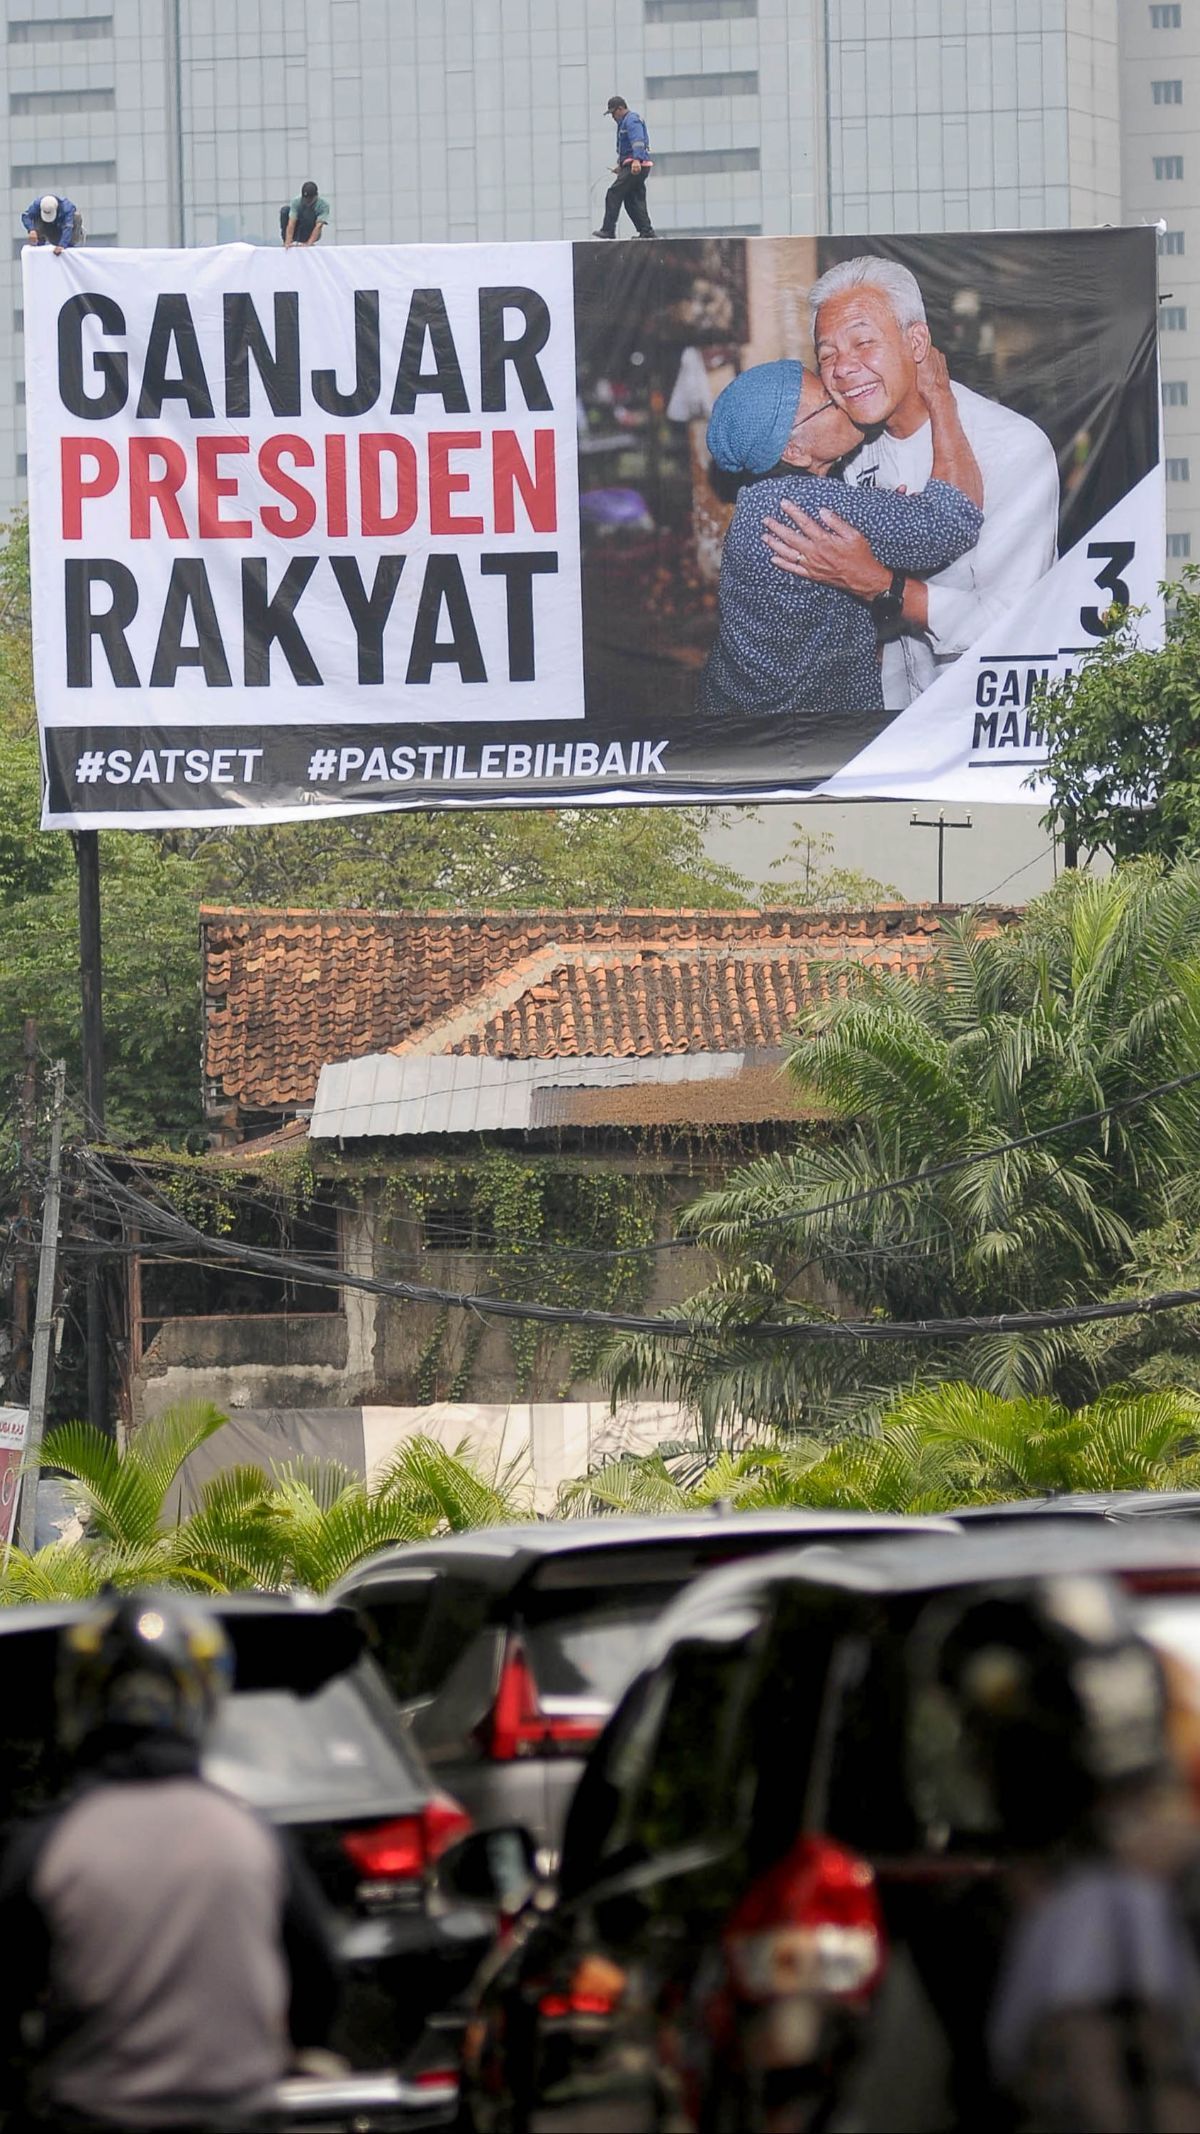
(1060, 326)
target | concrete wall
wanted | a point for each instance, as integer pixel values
(372, 1351)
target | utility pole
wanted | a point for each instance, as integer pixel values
(922, 822)
(87, 860)
(43, 1324)
(28, 1119)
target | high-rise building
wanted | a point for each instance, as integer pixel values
(192, 121)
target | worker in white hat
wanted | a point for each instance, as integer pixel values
(53, 220)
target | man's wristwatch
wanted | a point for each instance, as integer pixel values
(888, 608)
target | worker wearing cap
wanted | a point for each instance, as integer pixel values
(53, 220)
(632, 167)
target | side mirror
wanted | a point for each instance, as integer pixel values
(493, 1868)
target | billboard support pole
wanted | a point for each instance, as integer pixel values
(87, 859)
(43, 1318)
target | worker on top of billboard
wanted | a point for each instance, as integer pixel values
(870, 336)
(790, 641)
(632, 168)
(53, 220)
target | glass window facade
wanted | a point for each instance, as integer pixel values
(1175, 392)
(662, 87)
(1171, 244)
(1178, 470)
(1179, 547)
(1173, 318)
(1169, 92)
(59, 29)
(39, 175)
(1167, 18)
(48, 103)
(700, 10)
(1168, 166)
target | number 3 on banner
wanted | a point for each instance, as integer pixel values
(1101, 622)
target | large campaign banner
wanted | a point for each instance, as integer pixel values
(692, 520)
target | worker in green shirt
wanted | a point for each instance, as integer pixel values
(303, 220)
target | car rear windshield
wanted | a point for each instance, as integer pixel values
(338, 1749)
(587, 1646)
(586, 1613)
(1171, 1621)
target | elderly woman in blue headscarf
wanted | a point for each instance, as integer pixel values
(786, 641)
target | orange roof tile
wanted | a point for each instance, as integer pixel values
(288, 991)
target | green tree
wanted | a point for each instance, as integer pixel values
(305, 1526)
(1122, 737)
(937, 1447)
(1092, 999)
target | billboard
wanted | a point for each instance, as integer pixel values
(693, 520)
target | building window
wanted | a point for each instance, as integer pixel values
(1167, 92)
(38, 174)
(1168, 166)
(1166, 18)
(61, 29)
(717, 229)
(1179, 546)
(19, 390)
(700, 10)
(466, 1229)
(1170, 242)
(661, 87)
(1173, 318)
(1177, 470)
(18, 322)
(703, 162)
(42, 103)
(1175, 393)
(22, 464)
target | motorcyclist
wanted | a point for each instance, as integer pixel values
(166, 1953)
(1094, 2020)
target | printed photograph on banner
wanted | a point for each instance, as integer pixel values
(690, 520)
(815, 474)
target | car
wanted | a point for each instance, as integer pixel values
(1114, 1505)
(311, 1738)
(770, 1826)
(508, 1647)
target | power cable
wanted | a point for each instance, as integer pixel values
(817, 1330)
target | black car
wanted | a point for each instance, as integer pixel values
(509, 1646)
(766, 1831)
(311, 1738)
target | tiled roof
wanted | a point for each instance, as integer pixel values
(286, 992)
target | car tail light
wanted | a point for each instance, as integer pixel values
(518, 1725)
(392, 1857)
(810, 1924)
(596, 1989)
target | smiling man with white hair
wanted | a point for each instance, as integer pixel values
(870, 335)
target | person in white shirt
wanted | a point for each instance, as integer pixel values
(869, 332)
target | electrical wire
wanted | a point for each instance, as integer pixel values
(815, 1330)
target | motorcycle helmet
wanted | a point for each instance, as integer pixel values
(142, 1663)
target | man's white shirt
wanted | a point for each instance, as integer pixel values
(1015, 549)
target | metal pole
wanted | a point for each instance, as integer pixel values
(21, 1282)
(43, 1323)
(87, 858)
(924, 822)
